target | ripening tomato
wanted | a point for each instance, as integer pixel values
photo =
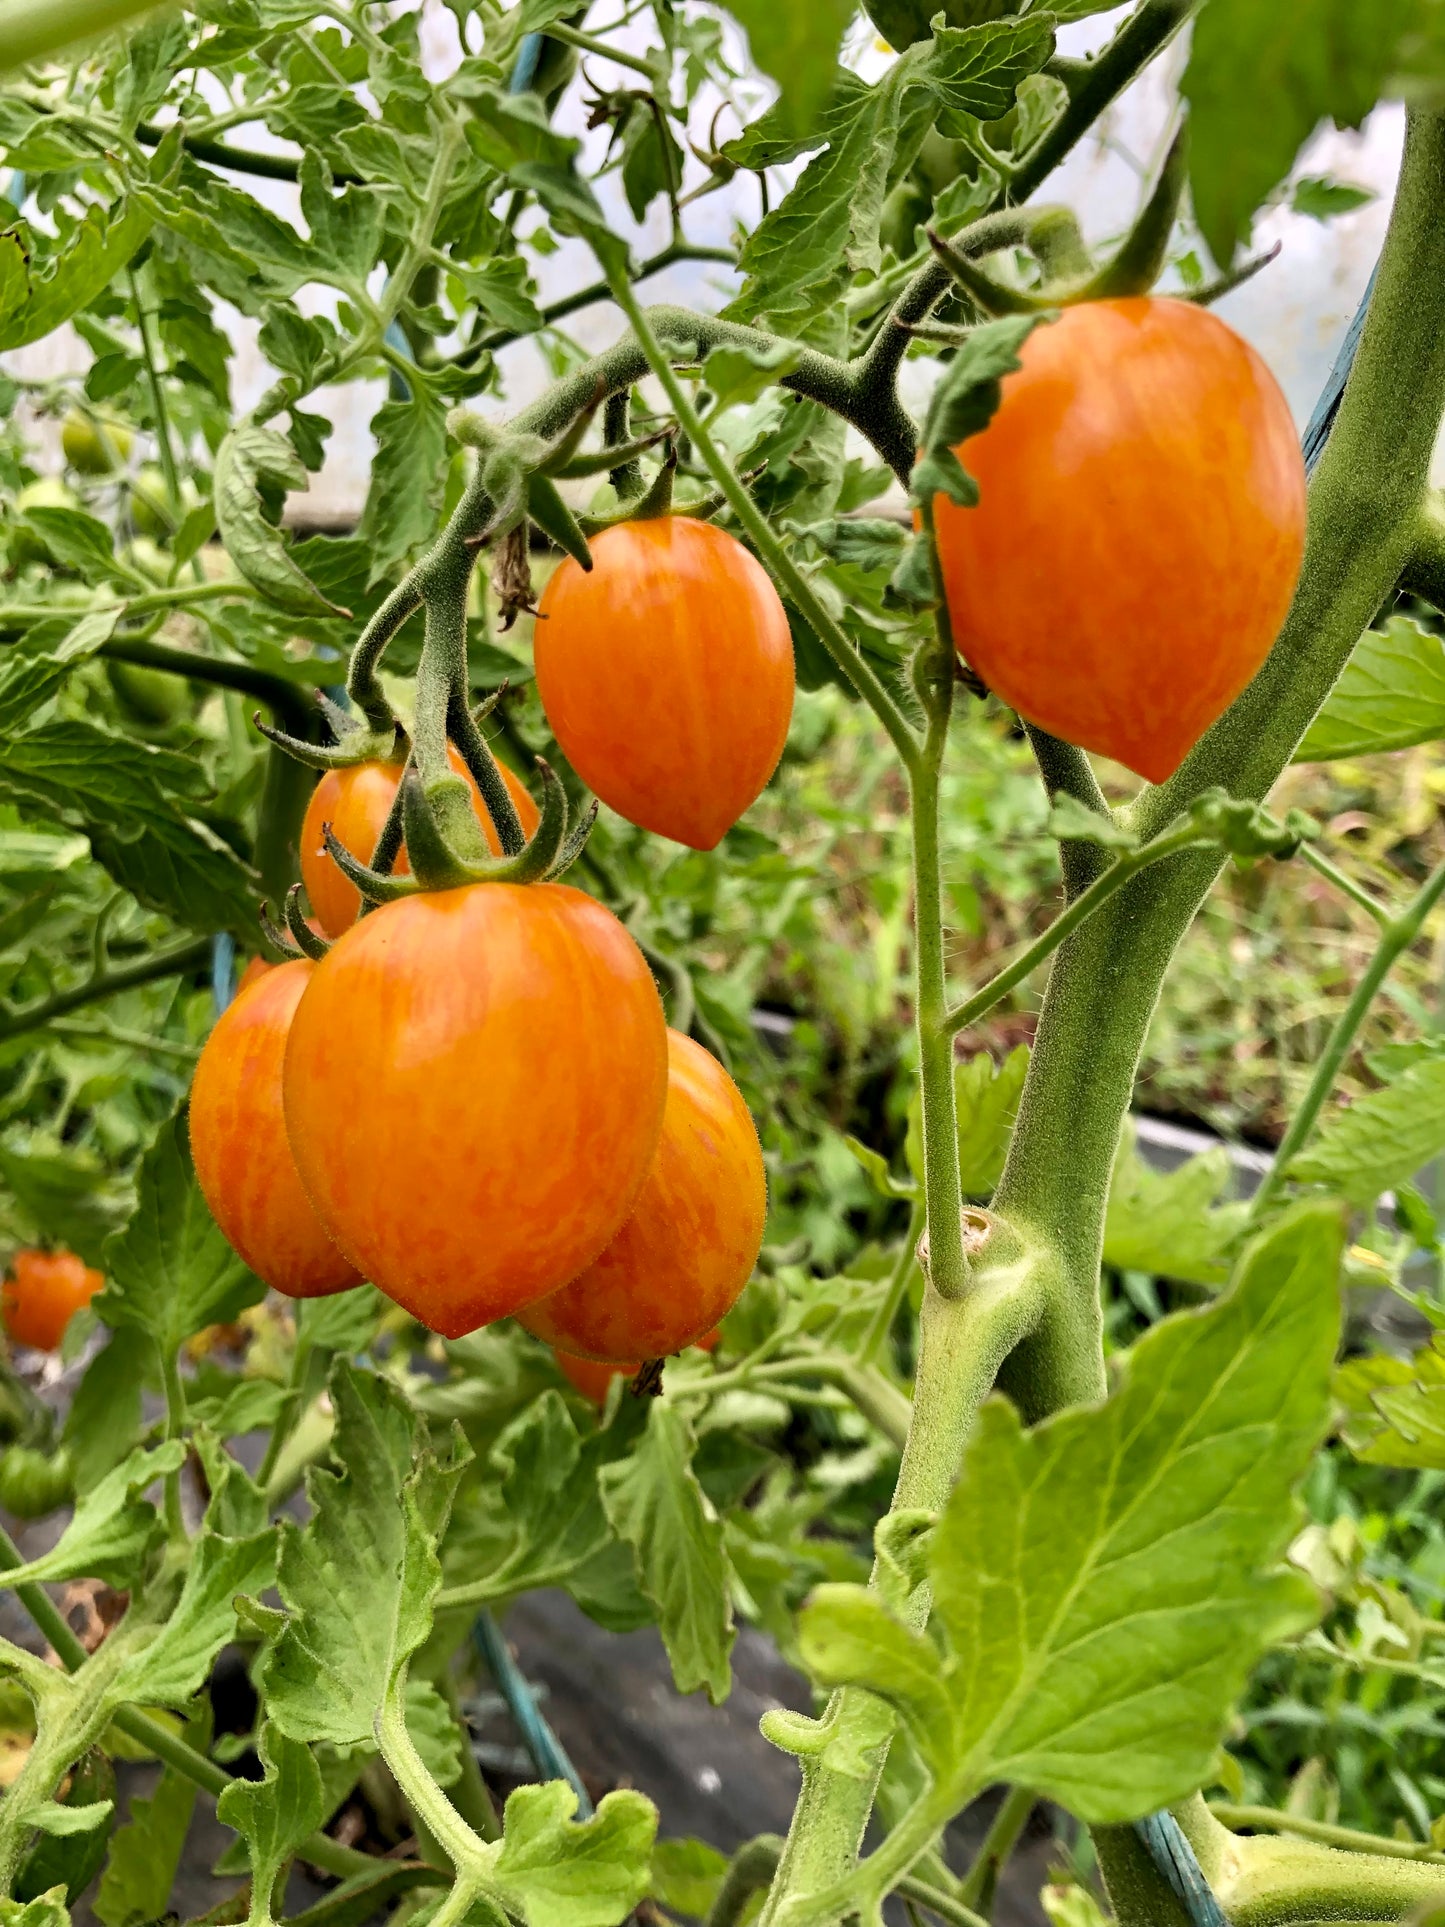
(593, 1376)
(356, 802)
(474, 1090)
(42, 1292)
(238, 1140)
(667, 675)
(255, 967)
(682, 1258)
(1138, 533)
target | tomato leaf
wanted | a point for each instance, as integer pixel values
(1382, 1139)
(111, 1529)
(32, 672)
(986, 1096)
(1391, 695)
(408, 477)
(655, 1503)
(740, 374)
(1258, 83)
(798, 48)
(249, 456)
(146, 1852)
(170, 1271)
(277, 1812)
(557, 1872)
(965, 401)
(1172, 1223)
(1166, 1508)
(537, 1516)
(99, 247)
(358, 1580)
(105, 1413)
(131, 801)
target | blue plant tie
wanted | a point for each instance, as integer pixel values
(223, 969)
(548, 1754)
(1328, 405)
(1168, 1847)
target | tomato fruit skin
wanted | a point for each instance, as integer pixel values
(42, 1292)
(1138, 533)
(474, 1090)
(238, 1141)
(592, 1376)
(681, 1260)
(667, 675)
(356, 803)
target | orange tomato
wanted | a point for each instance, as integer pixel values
(238, 1140)
(592, 1376)
(474, 1090)
(42, 1292)
(667, 675)
(1138, 533)
(356, 803)
(255, 967)
(689, 1247)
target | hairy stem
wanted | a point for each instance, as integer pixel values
(167, 963)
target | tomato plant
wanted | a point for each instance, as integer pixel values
(671, 1137)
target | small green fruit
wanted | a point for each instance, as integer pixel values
(94, 448)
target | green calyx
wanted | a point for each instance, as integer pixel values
(354, 741)
(446, 847)
(1069, 278)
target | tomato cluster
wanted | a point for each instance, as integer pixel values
(473, 1099)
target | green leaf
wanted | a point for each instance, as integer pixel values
(1104, 1583)
(686, 1875)
(98, 248)
(964, 402)
(740, 374)
(111, 1529)
(976, 70)
(846, 1633)
(798, 48)
(105, 1413)
(47, 1909)
(1322, 198)
(275, 1813)
(986, 1096)
(346, 228)
(1391, 695)
(1380, 1140)
(1258, 83)
(538, 1516)
(177, 1657)
(170, 1272)
(408, 479)
(556, 1872)
(76, 541)
(62, 1821)
(72, 1860)
(69, 1197)
(1172, 1223)
(359, 1579)
(655, 1503)
(146, 1853)
(877, 1167)
(130, 800)
(32, 672)
(249, 456)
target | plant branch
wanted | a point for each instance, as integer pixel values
(998, 1843)
(1349, 1839)
(1424, 571)
(286, 700)
(1397, 937)
(167, 963)
(849, 658)
(239, 160)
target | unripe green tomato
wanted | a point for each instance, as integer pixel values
(150, 505)
(33, 1482)
(901, 22)
(148, 696)
(148, 557)
(48, 493)
(94, 448)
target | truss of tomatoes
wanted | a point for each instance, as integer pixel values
(473, 1099)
